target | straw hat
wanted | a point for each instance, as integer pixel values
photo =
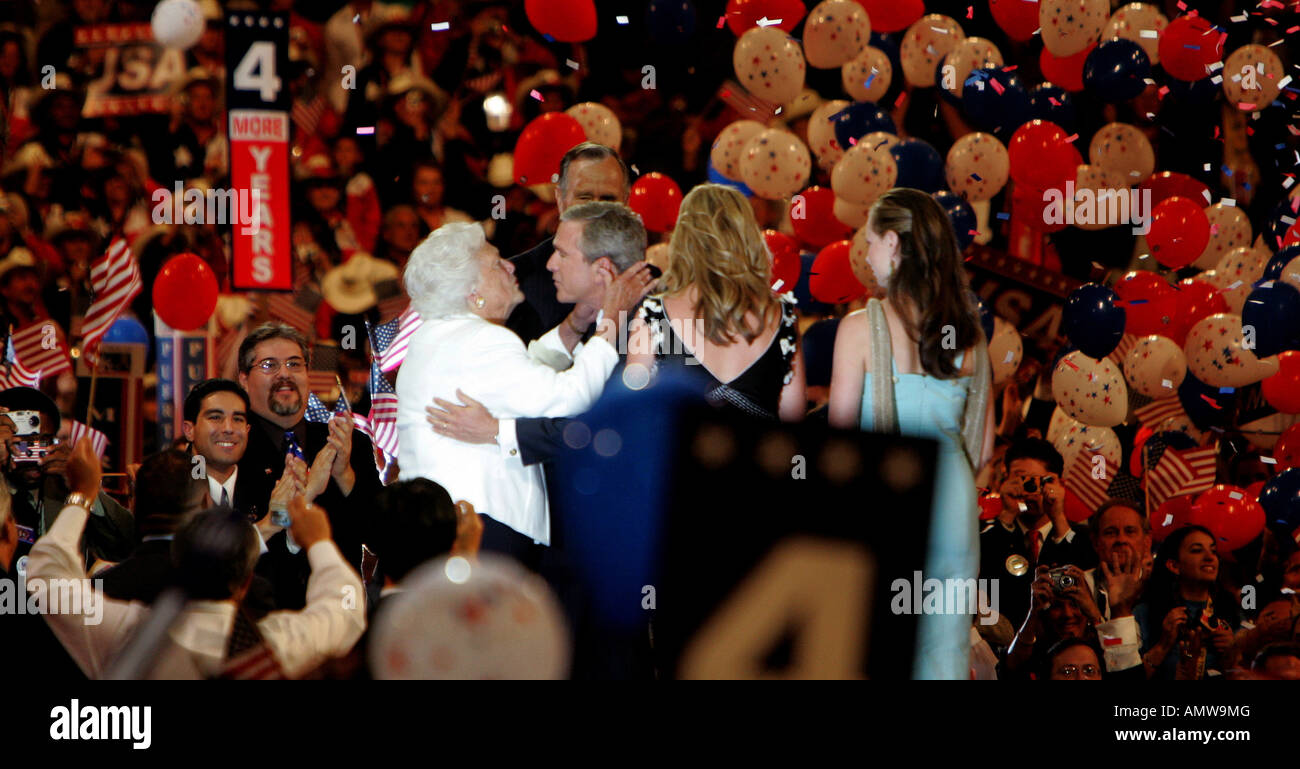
(350, 287)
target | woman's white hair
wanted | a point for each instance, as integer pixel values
(444, 269)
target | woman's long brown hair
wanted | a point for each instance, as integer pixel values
(929, 284)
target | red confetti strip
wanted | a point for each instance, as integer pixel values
(997, 86)
(1210, 401)
(1070, 363)
(970, 11)
(722, 21)
(899, 101)
(1071, 137)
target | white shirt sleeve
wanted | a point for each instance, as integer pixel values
(56, 556)
(1121, 643)
(508, 440)
(330, 623)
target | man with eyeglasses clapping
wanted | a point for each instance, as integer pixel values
(273, 370)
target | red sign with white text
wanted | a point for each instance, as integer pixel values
(259, 166)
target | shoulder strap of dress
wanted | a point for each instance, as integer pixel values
(884, 415)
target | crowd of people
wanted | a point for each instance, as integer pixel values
(527, 318)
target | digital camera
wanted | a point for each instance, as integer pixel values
(1062, 580)
(1035, 485)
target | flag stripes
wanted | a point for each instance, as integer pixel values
(115, 282)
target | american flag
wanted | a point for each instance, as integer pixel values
(78, 430)
(316, 411)
(383, 412)
(306, 114)
(115, 282)
(287, 308)
(1092, 491)
(15, 374)
(320, 382)
(1179, 472)
(40, 347)
(389, 340)
(1158, 410)
(1125, 486)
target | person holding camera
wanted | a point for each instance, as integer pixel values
(1031, 530)
(35, 467)
(1188, 622)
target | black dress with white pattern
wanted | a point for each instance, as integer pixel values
(757, 390)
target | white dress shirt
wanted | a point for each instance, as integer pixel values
(299, 640)
(215, 487)
(489, 363)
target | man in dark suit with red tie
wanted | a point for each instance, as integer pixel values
(273, 370)
(1032, 528)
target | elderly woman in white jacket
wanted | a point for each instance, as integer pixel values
(464, 291)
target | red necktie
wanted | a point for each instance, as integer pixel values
(1037, 545)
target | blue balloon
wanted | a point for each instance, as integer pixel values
(1273, 310)
(1280, 219)
(1093, 320)
(888, 45)
(1280, 499)
(1273, 270)
(1205, 405)
(670, 22)
(716, 177)
(859, 119)
(986, 316)
(1053, 103)
(1116, 70)
(919, 165)
(126, 330)
(995, 101)
(962, 217)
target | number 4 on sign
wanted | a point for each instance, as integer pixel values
(819, 587)
(256, 71)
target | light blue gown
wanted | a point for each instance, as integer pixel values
(933, 408)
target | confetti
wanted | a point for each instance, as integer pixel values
(1229, 202)
(1169, 518)
(997, 86)
(535, 94)
(621, 19)
(1268, 460)
(1149, 34)
(976, 177)
(1235, 495)
(1003, 215)
(1227, 390)
(1069, 363)
(440, 26)
(1165, 383)
(970, 11)
(365, 130)
(766, 22)
(777, 285)
(571, 63)
(722, 21)
(1072, 137)
(1210, 401)
(940, 30)
(1011, 355)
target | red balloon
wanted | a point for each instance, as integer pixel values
(1188, 46)
(831, 279)
(1028, 205)
(1135, 459)
(185, 292)
(1179, 231)
(1287, 449)
(990, 506)
(1150, 303)
(818, 226)
(657, 198)
(894, 15)
(786, 263)
(1171, 516)
(1282, 390)
(1018, 18)
(569, 21)
(1196, 300)
(1066, 72)
(743, 15)
(1255, 489)
(1167, 184)
(1231, 513)
(542, 145)
(1041, 157)
(1076, 510)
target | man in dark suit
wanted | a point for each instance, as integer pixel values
(273, 370)
(589, 172)
(1032, 529)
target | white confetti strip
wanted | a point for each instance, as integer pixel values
(1149, 34)
(1228, 201)
(621, 19)
(440, 26)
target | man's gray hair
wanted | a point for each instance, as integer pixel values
(444, 269)
(590, 151)
(609, 229)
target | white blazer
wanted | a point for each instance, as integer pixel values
(489, 363)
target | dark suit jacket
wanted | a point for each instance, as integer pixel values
(540, 311)
(261, 468)
(997, 545)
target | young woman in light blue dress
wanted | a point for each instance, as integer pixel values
(926, 331)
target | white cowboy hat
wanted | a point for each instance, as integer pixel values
(350, 287)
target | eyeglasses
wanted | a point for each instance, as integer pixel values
(1071, 671)
(270, 366)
